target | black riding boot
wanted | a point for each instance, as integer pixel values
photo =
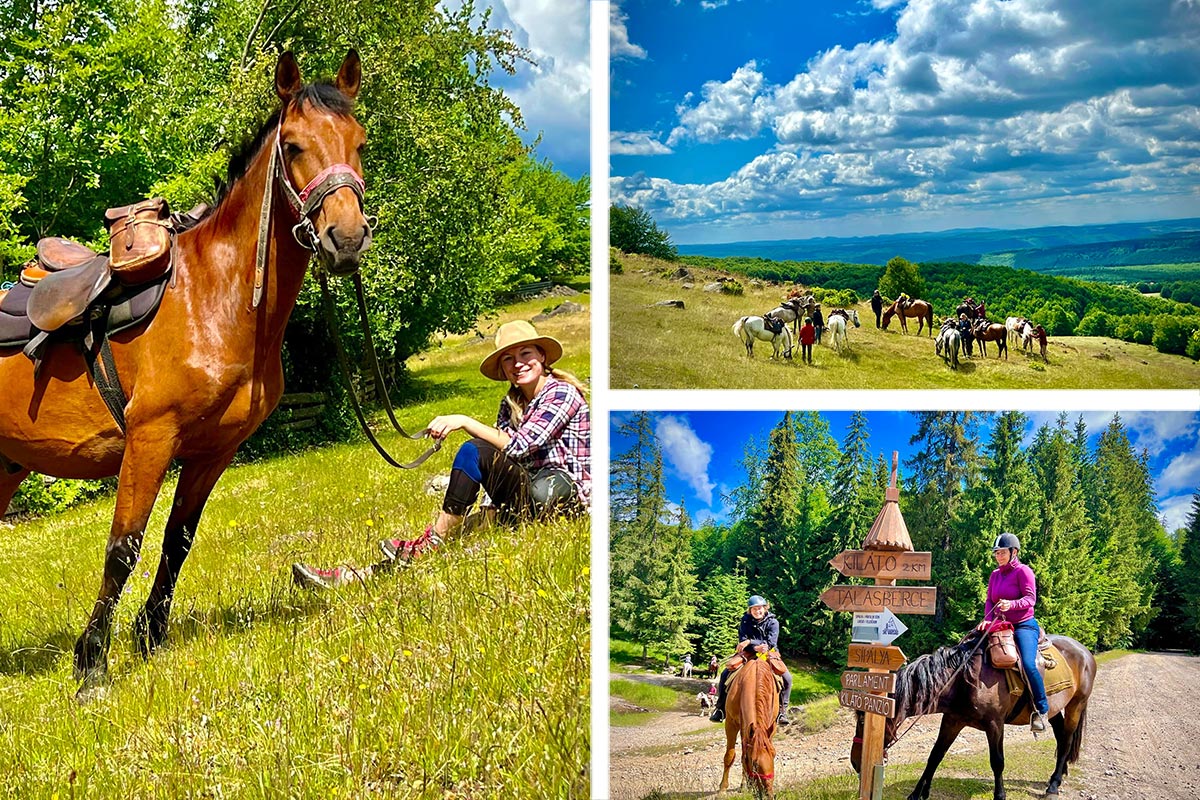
(718, 714)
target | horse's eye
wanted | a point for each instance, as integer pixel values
(292, 150)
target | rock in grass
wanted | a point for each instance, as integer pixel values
(670, 303)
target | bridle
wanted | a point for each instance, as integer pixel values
(304, 205)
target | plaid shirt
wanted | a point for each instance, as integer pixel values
(556, 432)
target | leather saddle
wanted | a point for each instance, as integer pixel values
(774, 325)
(67, 279)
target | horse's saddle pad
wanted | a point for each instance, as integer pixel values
(1057, 677)
(130, 306)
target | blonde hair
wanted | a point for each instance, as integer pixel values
(516, 399)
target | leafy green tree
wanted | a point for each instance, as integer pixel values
(633, 230)
(901, 275)
(1171, 333)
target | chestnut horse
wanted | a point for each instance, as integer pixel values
(206, 370)
(919, 309)
(992, 332)
(958, 683)
(752, 709)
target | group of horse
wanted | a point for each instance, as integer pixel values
(960, 334)
(773, 326)
(957, 682)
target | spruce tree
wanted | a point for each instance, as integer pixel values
(722, 609)
(1189, 572)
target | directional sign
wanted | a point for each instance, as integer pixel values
(900, 599)
(876, 656)
(881, 627)
(869, 681)
(872, 704)
(883, 564)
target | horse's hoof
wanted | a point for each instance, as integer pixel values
(148, 633)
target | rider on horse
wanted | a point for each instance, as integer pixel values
(1011, 594)
(759, 631)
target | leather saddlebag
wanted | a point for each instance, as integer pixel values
(140, 237)
(1002, 647)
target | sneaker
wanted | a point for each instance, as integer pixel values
(406, 550)
(1038, 723)
(718, 715)
(307, 577)
(783, 719)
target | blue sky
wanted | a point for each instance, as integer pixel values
(553, 94)
(773, 119)
(702, 450)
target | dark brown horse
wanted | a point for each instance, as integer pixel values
(205, 371)
(959, 684)
(919, 309)
(992, 332)
(752, 708)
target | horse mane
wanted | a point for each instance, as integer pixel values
(324, 96)
(920, 682)
(764, 692)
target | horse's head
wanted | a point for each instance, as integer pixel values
(854, 312)
(856, 748)
(888, 314)
(320, 146)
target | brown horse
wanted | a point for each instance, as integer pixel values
(992, 332)
(919, 309)
(960, 685)
(752, 708)
(206, 370)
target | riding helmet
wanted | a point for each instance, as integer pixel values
(755, 600)
(1006, 540)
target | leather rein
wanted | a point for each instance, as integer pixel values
(304, 204)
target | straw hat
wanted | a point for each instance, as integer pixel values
(511, 334)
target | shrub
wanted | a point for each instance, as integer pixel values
(40, 496)
(732, 287)
(615, 266)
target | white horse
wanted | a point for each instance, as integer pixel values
(1027, 336)
(748, 329)
(951, 341)
(790, 310)
(837, 327)
(1013, 325)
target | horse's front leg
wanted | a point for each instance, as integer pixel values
(148, 453)
(9, 483)
(731, 734)
(951, 727)
(196, 483)
(995, 736)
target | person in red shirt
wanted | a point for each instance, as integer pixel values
(808, 334)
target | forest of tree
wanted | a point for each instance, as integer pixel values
(1065, 306)
(109, 101)
(1108, 573)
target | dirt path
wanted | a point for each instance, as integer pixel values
(1141, 741)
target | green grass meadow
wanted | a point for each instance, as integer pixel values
(463, 676)
(695, 348)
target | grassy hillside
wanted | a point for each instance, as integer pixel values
(661, 347)
(465, 675)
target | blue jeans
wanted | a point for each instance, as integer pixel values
(1026, 635)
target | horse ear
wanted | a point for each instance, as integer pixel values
(349, 77)
(287, 77)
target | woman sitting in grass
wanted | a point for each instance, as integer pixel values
(535, 461)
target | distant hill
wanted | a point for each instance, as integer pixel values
(1063, 250)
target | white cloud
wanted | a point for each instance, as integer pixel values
(1174, 511)
(1154, 430)
(636, 143)
(727, 110)
(1182, 473)
(619, 45)
(686, 455)
(984, 105)
(553, 94)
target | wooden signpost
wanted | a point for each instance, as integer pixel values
(887, 555)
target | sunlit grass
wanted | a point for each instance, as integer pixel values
(463, 676)
(694, 347)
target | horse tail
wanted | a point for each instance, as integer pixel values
(1076, 740)
(739, 326)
